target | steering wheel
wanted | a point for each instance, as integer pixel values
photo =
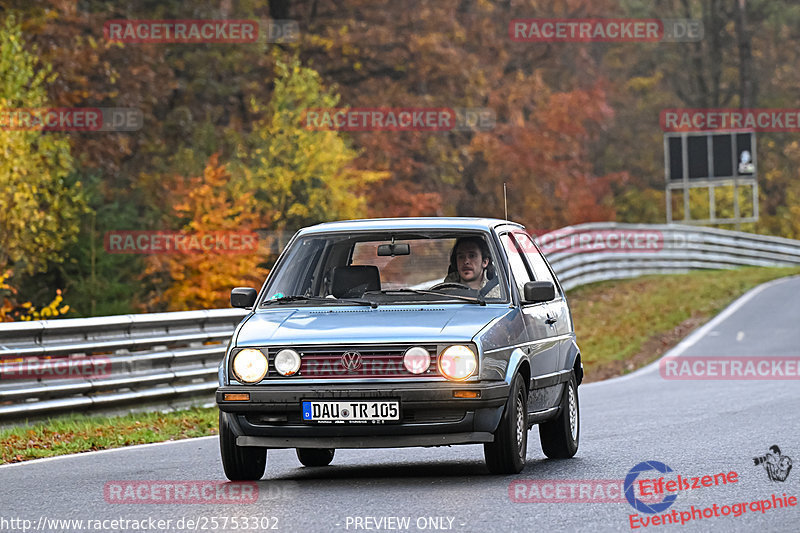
(449, 285)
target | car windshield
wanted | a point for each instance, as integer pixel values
(387, 268)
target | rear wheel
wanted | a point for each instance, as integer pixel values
(315, 456)
(506, 455)
(560, 436)
(241, 463)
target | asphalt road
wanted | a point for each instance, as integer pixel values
(696, 427)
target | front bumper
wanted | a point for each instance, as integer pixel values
(429, 415)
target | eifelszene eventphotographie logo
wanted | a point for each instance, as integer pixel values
(775, 463)
(630, 494)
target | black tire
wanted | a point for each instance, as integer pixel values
(506, 455)
(315, 456)
(559, 437)
(241, 463)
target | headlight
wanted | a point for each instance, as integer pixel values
(417, 360)
(287, 362)
(250, 365)
(457, 362)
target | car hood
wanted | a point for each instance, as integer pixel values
(341, 325)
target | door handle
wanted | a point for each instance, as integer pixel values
(551, 320)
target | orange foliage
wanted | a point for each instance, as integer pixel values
(548, 101)
(204, 280)
(541, 152)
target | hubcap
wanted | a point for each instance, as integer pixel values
(520, 424)
(573, 413)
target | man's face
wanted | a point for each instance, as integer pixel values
(470, 263)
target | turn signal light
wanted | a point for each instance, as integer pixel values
(466, 394)
(236, 397)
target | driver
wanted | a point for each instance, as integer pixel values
(469, 263)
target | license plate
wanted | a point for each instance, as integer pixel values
(356, 411)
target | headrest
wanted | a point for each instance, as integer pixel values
(354, 281)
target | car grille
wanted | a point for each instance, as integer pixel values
(373, 362)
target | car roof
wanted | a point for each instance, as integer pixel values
(445, 223)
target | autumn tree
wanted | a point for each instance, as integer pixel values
(12, 309)
(457, 54)
(39, 207)
(193, 279)
(717, 71)
(300, 176)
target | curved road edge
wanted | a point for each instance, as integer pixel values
(697, 334)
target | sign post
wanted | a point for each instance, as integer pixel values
(711, 160)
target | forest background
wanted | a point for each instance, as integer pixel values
(223, 146)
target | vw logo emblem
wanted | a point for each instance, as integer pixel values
(351, 361)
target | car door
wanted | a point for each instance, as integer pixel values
(558, 315)
(541, 347)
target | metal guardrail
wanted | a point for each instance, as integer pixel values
(584, 255)
(167, 358)
(80, 364)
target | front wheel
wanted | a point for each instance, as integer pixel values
(241, 463)
(315, 457)
(559, 437)
(506, 455)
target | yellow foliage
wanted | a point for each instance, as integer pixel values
(39, 209)
(204, 280)
(10, 308)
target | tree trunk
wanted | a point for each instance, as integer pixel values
(747, 82)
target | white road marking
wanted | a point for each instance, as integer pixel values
(82, 454)
(739, 336)
(697, 334)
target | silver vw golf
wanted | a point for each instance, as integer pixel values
(401, 332)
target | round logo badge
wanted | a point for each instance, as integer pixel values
(351, 361)
(639, 505)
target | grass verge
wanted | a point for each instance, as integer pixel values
(624, 325)
(84, 433)
(621, 325)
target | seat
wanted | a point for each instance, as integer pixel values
(354, 281)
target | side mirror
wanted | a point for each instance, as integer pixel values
(243, 297)
(539, 291)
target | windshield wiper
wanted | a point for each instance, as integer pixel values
(320, 299)
(470, 299)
